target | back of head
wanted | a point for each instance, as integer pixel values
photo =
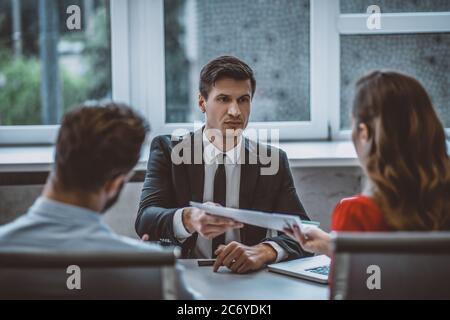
(407, 159)
(97, 144)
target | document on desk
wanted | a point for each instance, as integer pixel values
(273, 221)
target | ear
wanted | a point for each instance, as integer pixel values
(113, 185)
(363, 133)
(201, 103)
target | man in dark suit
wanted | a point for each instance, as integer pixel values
(217, 164)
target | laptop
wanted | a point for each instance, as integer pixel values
(314, 268)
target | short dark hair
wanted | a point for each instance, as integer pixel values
(96, 144)
(224, 67)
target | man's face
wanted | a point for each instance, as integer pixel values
(228, 105)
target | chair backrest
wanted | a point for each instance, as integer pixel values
(397, 265)
(100, 275)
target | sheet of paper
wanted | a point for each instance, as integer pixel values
(273, 221)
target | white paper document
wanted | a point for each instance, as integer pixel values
(273, 221)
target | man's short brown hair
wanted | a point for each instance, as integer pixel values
(97, 144)
(224, 67)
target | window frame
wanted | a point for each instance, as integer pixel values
(148, 23)
(138, 74)
(138, 71)
(32, 135)
(392, 23)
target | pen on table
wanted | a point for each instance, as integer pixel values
(206, 262)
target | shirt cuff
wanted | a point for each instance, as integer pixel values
(281, 253)
(179, 230)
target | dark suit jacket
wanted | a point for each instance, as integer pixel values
(170, 186)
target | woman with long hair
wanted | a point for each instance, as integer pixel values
(401, 145)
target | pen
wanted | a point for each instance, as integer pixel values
(206, 262)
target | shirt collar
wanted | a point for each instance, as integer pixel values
(58, 210)
(211, 152)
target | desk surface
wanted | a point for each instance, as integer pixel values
(262, 285)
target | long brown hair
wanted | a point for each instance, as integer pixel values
(407, 160)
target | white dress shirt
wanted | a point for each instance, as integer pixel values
(211, 154)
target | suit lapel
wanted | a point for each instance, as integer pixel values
(249, 178)
(196, 170)
(196, 176)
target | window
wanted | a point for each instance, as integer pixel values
(278, 38)
(272, 36)
(306, 55)
(414, 38)
(46, 67)
(424, 56)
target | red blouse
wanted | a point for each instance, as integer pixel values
(359, 213)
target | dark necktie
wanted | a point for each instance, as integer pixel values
(220, 196)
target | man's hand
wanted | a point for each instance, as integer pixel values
(311, 239)
(207, 226)
(242, 259)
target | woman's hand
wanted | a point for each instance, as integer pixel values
(311, 239)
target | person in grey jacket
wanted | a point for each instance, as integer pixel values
(96, 150)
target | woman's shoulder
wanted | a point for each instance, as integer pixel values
(358, 213)
(361, 201)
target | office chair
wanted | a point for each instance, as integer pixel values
(104, 275)
(391, 266)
